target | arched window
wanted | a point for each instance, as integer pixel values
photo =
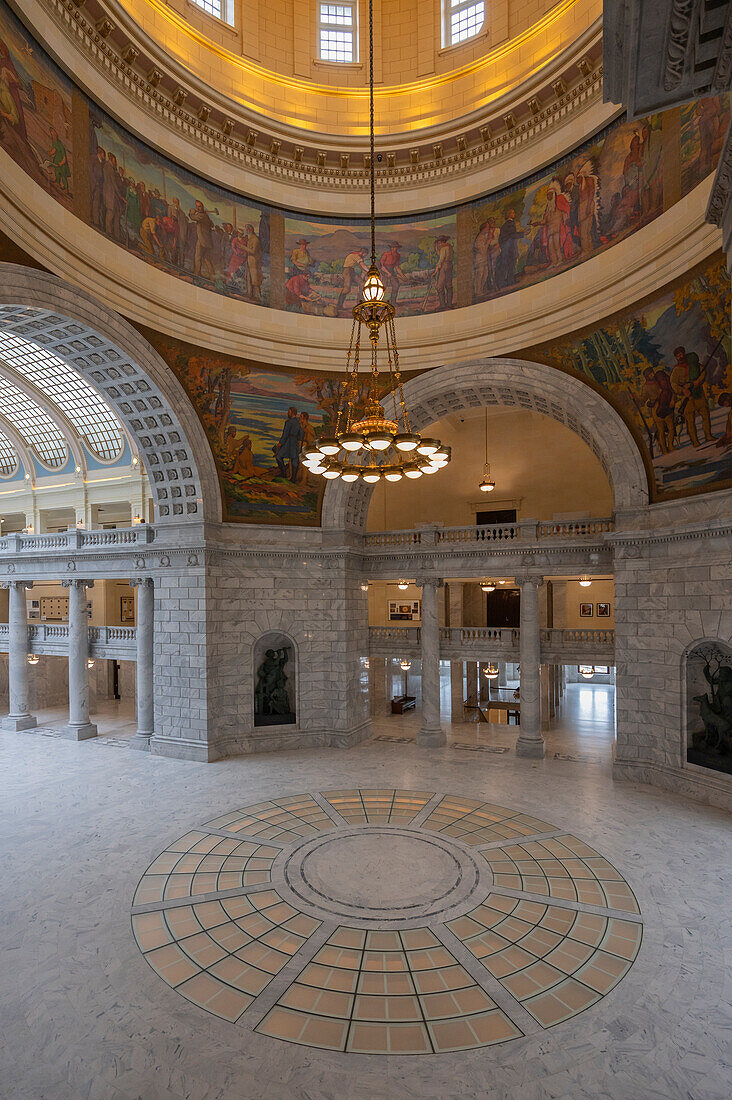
(221, 9)
(461, 19)
(337, 32)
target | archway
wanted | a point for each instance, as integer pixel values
(118, 361)
(517, 383)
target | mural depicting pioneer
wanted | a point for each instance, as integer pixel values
(598, 195)
(258, 421)
(35, 110)
(326, 264)
(666, 365)
(173, 219)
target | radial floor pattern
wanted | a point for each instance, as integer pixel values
(386, 921)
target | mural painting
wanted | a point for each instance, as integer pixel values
(258, 421)
(35, 111)
(580, 206)
(326, 264)
(703, 126)
(665, 364)
(174, 220)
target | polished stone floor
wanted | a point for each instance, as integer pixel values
(84, 1015)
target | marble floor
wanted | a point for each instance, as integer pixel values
(346, 922)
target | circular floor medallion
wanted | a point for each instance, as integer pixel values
(386, 921)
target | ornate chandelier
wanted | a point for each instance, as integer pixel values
(370, 444)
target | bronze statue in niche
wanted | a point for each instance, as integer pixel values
(272, 702)
(711, 745)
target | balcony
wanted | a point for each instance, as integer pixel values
(78, 539)
(481, 643)
(52, 639)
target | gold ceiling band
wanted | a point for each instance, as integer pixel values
(259, 72)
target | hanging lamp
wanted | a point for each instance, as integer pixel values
(487, 586)
(370, 444)
(487, 485)
(491, 671)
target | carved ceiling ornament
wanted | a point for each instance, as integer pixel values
(677, 42)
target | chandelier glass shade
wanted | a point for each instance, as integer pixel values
(585, 581)
(491, 671)
(373, 439)
(487, 586)
(33, 658)
(588, 671)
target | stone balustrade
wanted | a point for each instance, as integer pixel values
(524, 530)
(78, 539)
(477, 643)
(105, 642)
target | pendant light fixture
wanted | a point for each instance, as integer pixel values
(370, 444)
(487, 586)
(491, 671)
(585, 581)
(487, 485)
(588, 671)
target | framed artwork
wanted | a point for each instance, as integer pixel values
(33, 609)
(585, 610)
(405, 611)
(127, 610)
(603, 611)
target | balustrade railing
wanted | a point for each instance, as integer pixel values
(38, 633)
(494, 637)
(77, 539)
(524, 530)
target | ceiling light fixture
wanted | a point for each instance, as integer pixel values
(487, 586)
(588, 671)
(368, 443)
(33, 658)
(402, 585)
(487, 485)
(585, 581)
(491, 671)
(405, 665)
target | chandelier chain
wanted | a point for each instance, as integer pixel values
(371, 132)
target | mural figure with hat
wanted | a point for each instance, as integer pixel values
(508, 239)
(300, 258)
(354, 273)
(391, 270)
(300, 295)
(444, 271)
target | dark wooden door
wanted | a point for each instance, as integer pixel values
(502, 607)
(498, 515)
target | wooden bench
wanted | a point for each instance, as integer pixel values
(400, 703)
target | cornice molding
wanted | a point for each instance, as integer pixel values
(543, 111)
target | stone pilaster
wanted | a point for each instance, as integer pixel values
(145, 635)
(530, 742)
(431, 733)
(19, 716)
(79, 727)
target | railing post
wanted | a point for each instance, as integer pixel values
(528, 529)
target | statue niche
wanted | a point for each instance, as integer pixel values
(274, 689)
(709, 707)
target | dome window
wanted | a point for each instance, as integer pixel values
(462, 19)
(220, 9)
(337, 40)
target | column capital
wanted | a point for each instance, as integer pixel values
(433, 582)
(141, 582)
(76, 582)
(529, 579)
(17, 584)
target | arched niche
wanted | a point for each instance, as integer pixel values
(275, 680)
(708, 713)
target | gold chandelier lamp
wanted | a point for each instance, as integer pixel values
(491, 671)
(372, 443)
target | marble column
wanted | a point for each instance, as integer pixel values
(79, 727)
(379, 697)
(19, 716)
(457, 699)
(530, 742)
(144, 636)
(431, 734)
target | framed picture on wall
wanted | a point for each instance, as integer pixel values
(603, 611)
(127, 610)
(404, 611)
(585, 610)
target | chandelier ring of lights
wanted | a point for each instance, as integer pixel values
(368, 444)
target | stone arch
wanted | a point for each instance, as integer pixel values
(514, 383)
(119, 362)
